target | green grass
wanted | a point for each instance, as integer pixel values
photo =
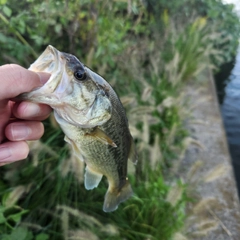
(146, 214)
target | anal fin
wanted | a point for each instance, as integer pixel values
(91, 178)
(101, 136)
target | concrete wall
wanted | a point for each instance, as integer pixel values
(208, 170)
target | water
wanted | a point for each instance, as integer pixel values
(229, 98)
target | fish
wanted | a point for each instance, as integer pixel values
(92, 118)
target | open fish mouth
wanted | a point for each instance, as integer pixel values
(81, 103)
(50, 61)
(47, 61)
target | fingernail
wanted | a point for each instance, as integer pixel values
(20, 132)
(32, 110)
(4, 153)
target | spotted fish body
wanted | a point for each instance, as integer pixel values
(92, 118)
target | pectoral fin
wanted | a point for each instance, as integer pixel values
(102, 137)
(133, 153)
(92, 178)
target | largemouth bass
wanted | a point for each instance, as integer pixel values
(93, 119)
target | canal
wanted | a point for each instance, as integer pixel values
(228, 87)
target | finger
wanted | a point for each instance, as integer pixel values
(25, 130)
(31, 111)
(13, 151)
(16, 79)
(5, 114)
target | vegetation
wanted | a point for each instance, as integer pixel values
(147, 51)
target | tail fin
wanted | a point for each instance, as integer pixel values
(114, 197)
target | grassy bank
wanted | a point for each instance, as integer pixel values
(147, 53)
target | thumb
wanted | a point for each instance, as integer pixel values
(43, 76)
(16, 80)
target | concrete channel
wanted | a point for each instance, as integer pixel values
(207, 169)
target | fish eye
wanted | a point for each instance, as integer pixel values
(80, 75)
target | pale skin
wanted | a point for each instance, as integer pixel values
(19, 121)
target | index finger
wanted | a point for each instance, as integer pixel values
(15, 80)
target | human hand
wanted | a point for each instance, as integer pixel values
(19, 121)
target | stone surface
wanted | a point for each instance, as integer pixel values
(207, 168)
